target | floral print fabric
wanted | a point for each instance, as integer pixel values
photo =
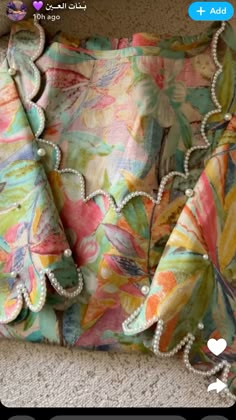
(124, 113)
(187, 288)
(32, 237)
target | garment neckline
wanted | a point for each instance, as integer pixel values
(98, 46)
(140, 39)
(141, 42)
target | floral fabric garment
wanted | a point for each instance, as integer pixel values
(120, 116)
(194, 284)
(32, 238)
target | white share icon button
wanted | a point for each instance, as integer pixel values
(218, 386)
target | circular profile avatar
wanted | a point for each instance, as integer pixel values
(16, 10)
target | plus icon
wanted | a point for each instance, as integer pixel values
(201, 11)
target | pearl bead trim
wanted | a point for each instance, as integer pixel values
(55, 147)
(166, 178)
(127, 329)
(12, 71)
(189, 339)
(22, 292)
(60, 290)
(41, 152)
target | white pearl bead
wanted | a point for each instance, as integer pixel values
(228, 116)
(145, 289)
(13, 274)
(67, 253)
(205, 257)
(12, 71)
(41, 152)
(189, 192)
(200, 326)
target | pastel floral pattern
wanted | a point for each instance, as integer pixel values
(124, 113)
(187, 289)
(32, 238)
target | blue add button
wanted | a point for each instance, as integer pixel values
(211, 10)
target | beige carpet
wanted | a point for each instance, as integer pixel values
(34, 375)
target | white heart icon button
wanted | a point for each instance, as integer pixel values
(217, 346)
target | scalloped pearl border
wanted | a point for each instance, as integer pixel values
(186, 342)
(166, 178)
(37, 74)
(189, 339)
(23, 293)
(20, 287)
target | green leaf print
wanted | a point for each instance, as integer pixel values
(71, 324)
(185, 129)
(222, 313)
(176, 260)
(48, 324)
(148, 89)
(200, 99)
(29, 322)
(224, 90)
(4, 245)
(229, 37)
(82, 147)
(195, 309)
(171, 145)
(106, 183)
(135, 214)
(34, 337)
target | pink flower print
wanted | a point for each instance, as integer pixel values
(87, 250)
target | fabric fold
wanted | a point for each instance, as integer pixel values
(194, 283)
(131, 153)
(33, 245)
